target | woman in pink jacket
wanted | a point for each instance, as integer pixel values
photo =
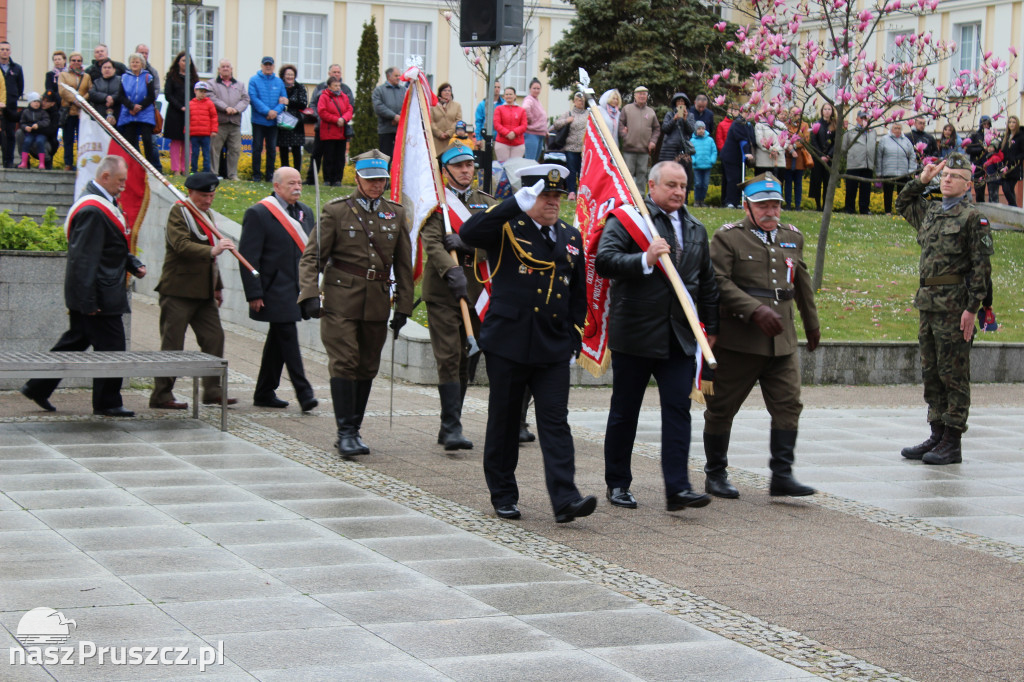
(536, 122)
(509, 129)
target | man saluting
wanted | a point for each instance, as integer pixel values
(533, 326)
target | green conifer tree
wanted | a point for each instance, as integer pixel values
(367, 74)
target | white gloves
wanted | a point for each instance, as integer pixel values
(527, 196)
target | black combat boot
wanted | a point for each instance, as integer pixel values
(451, 418)
(343, 394)
(363, 387)
(919, 451)
(948, 449)
(524, 429)
(782, 444)
(716, 449)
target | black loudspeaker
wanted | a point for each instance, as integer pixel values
(489, 23)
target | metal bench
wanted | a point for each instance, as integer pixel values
(110, 364)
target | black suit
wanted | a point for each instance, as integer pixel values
(274, 253)
(14, 83)
(531, 329)
(649, 335)
(96, 297)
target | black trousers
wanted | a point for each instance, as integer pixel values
(316, 156)
(294, 152)
(631, 374)
(8, 128)
(1009, 191)
(387, 143)
(550, 387)
(101, 332)
(863, 202)
(819, 183)
(280, 350)
(70, 132)
(733, 177)
(888, 188)
(333, 159)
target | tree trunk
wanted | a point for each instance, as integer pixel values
(826, 219)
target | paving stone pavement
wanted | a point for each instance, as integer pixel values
(395, 568)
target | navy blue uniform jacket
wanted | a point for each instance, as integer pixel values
(535, 315)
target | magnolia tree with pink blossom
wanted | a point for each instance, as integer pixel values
(797, 69)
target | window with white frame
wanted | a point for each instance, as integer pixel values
(900, 51)
(79, 25)
(408, 40)
(202, 28)
(968, 51)
(517, 65)
(302, 44)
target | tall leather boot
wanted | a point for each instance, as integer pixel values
(948, 449)
(782, 444)
(343, 395)
(451, 417)
(524, 429)
(921, 449)
(363, 387)
(716, 449)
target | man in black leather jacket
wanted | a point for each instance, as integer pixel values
(94, 286)
(649, 334)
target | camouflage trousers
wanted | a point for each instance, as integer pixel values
(946, 368)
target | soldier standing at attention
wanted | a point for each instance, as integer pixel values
(534, 325)
(445, 283)
(190, 289)
(362, 236)
(955, 247)
(760, 271)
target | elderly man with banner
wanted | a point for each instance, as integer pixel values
(674, 345)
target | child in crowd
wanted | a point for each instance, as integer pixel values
(992, 161)
(33, 123)
(462, 135)
(704, 157)
(202, 124)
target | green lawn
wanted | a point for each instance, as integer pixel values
(870, 274)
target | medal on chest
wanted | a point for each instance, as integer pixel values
(790, 267)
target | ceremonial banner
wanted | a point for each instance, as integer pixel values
(412, 181)
(601, 190)
(93, 144)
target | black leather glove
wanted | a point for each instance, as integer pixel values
(397, 322)
(813, 339)
(769, 321)
(310, 308)
(453, 242)
(456, 280)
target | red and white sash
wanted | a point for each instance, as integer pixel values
(112, 212)
(292, 226)
(457, 215)
(190, 211)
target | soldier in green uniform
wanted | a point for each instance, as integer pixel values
(955, 247)
(445, 284)
(760, 271)
(362, 237)
(190, 288)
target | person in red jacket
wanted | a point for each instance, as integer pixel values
(202, 124)
(720, 134)
(509, 129)
(335, 111)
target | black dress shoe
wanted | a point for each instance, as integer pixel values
(584, 506)
(507, 511)
(309, 405)
(721, 487)
(41, 402)
(114, 412)
(621, 497)
(273, 401)
(687, 498)
(525, 436)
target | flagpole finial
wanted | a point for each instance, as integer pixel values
(584, 84)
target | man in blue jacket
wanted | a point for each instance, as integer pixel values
(268, 99)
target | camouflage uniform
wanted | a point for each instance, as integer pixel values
(955, 249)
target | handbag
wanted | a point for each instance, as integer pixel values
(158, 121)
(309, 115)
(287, 121)
(561, 137)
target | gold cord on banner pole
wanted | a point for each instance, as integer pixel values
(638, 200)
(142, 161)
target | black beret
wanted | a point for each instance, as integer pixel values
(202, 182)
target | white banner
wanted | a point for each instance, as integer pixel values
(93, 145)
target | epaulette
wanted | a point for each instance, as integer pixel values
(335, 200)
(480, 191)
(789, 226)
(393, 203)
(729, 226)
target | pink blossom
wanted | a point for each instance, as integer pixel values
(729, 44)
(720, 100)
(726, 73)
(899, 40)
(815, 127)
(920, 146)
(1013, 50)
(448, 17)
(720, 26)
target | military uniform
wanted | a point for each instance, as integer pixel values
(444, 314)
(188, 282)
(955, 248)
(533, 326)
(360, 241)
(755, 268)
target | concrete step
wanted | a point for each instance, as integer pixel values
(18, 176)
(29, 192)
